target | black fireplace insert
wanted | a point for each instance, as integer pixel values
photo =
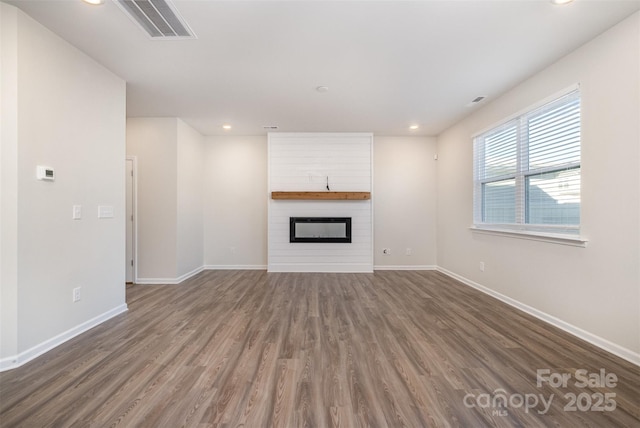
(320, 229)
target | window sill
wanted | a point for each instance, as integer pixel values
(554, 238)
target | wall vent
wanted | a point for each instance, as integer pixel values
(158, 18)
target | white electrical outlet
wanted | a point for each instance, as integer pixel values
(76, 294)
(386, 251)
(481, 266)
(77, 212)
(408, 252)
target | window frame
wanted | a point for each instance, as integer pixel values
(520, 228)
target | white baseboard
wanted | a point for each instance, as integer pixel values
(624, 353)
(178, 280)
(321, 267)
(413, 267)
(235, 267)
(189, 274)
(34, 352)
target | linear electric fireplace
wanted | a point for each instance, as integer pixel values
(320, 229)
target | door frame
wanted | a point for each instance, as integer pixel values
(134, 210)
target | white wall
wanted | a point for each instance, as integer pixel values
(8, 182)
(592, 291)
(235, 216)
(62, 110)
(235, 202)
(190, 243)
(169, 198)
(304, 162)
(405, 202)
(153, 141)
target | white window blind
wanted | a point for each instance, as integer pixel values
(527, 170)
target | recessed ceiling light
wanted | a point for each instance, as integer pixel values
(94, 2)
(322, 88)
(414, 127)
(226, 127)
(561, 1)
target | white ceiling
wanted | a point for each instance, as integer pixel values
(388, 64)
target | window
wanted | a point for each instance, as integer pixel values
(527, 171)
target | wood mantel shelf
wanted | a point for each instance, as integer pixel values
(322, 195)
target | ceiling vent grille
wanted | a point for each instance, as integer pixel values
(158, 18)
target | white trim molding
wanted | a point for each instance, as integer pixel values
(235, 267)
(412, 267)
(321, 267)
(22, 358)
(134, 226)
(554, 238)
(598, 341)
(173, 281)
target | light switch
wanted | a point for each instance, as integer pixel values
(77, 212)
(105, 211)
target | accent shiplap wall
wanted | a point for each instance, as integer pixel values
(302, 162)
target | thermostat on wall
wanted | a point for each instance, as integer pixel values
(45, 173)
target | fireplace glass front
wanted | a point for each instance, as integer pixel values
(320, 229)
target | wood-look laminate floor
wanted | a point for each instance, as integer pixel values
(252, 349)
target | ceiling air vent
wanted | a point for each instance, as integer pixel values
(159, 18)
(475, 101)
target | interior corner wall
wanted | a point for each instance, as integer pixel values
(169, 196)
(190, 163)
(404, 203)
(235, 202)
(65, 111)
(153, 141)
(8, 182)
(595, 290)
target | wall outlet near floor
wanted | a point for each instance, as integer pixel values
(408, 252)
(386, 251)
(481, 266)
(76, 294)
